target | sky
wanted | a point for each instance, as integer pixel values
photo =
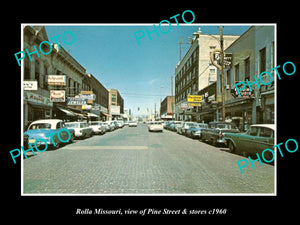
(141, 72)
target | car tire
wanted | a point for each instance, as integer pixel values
(72, 138)
(231, 147)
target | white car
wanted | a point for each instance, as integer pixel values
(132, 124)
(155, 126)
(82, 129)
(98, 127)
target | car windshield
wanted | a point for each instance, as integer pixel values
(82, 125)
(226, 126)
(74, 125)
(202, 125)
(155, 122)
(40, 126)
(95, 123)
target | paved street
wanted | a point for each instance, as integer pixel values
(133, 160)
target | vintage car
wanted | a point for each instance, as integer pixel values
(257, 138)
(98, 127)
(132, 124)
(45, 129)
(82, 130)
(183, 126)
(155, 126)
(214, 132)
(194, 131)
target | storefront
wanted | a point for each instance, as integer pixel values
(35, 107)
(240, 112)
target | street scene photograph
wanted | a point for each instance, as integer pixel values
(170, 108)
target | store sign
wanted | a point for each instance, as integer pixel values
(57, 80)
(57, 96)
(76, 101)
(194, 104)
(96, 107)
(184, 105)
(194, 98)
(215, 58)
(114, 110)
(244, 93)
(37, 99)
(30, 85)
(91, 97)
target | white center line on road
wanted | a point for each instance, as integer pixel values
(101, 147)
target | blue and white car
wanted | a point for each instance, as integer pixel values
(194, 131)
(48, 129)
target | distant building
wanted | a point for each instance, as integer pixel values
(115, 104)
(167, 108)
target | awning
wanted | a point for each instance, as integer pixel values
(105, 114)
(92, 115)
(69, 113)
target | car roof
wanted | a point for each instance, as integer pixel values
(47, 121)
(271, 126)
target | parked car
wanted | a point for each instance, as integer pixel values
(120, 123)
(173, 126)
(112, 125)
(132, 124)
(168, 124)
(194, 131)
(106, 126)
(257, 138)
(82, 130)
(97, 127)
(155, 126)
(44, 129)
(181, 129)
(215, 130)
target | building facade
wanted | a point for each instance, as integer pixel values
(167, 108)
(115, 104)
(100, 104)
(36, 99)
(195, 71)
(56, 85)
(252, 54)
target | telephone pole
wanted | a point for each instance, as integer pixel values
(222, 72)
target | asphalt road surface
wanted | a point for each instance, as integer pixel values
(132, 160)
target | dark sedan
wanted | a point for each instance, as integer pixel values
(215, 130)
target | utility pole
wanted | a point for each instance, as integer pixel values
(221, 68)
(172, 104)
(222, 72)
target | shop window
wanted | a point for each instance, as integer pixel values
(237, 73)
(37, 72)
(27, 69)
(262, 60)
(247, 69)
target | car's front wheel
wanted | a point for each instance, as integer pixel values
(231, 147)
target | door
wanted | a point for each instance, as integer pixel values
(264, 140)
(247, 140)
